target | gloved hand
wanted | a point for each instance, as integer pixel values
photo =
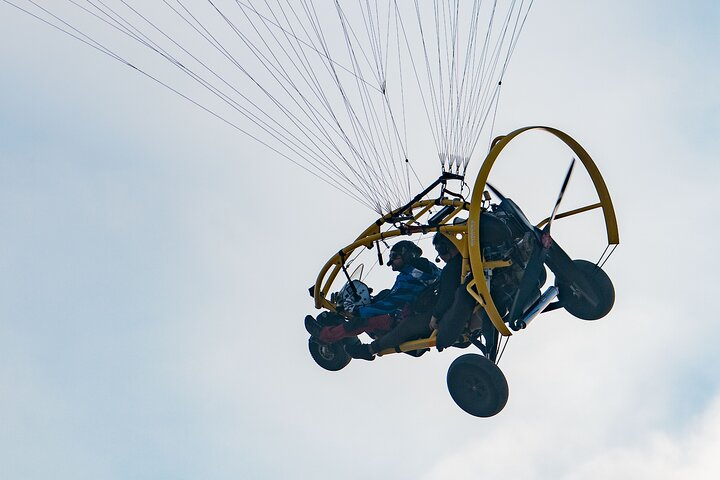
(350, 307)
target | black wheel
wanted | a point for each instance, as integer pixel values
(330, 356)
(577, 303)
(477, 385)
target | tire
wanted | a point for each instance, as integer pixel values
(330, 356)
(477, 385)
(576, 303)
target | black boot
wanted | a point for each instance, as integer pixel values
(312, 326)
(360, 350)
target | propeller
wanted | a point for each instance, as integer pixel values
(535, 265)
(495, 191)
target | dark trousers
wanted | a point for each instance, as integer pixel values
(454, 320)
(414, 326)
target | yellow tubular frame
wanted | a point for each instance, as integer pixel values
(373, 233)
(469, 242)
(479, 289)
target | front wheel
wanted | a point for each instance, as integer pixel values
(330, 356)
(477, 385)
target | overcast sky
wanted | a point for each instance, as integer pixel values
(155, 266)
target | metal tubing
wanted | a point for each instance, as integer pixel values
(550, 294)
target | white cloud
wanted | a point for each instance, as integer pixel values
(661, 454)
(200, 316)
(541, 449)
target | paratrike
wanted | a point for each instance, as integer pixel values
(504, 259)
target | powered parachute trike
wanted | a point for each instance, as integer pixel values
(354, 93)
(504, 258)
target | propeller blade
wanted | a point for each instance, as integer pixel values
(560, 196)
(495, 191)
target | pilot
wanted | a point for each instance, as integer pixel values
(422, 320)
(415, 275)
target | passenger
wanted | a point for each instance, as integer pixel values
(424, 318)
(415, 275)
(449, 278)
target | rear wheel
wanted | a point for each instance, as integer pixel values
(477, 385)
(577, 302)
(330, 356)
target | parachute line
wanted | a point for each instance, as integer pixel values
(350, 94)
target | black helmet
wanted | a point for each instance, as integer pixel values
(443, 244)
(406, 249)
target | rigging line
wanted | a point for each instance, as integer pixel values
(501, 41)
(469, 52)
(312, 115)
(366, 136)
(94, 44)
(401, 82)
(333, 74)
(486, 99)
(388, 110)
(402, 149)
(363, 140)
(314, 80)
(502, 351)
(77, 36)
(465, 86)
(124, 26)
(417, 76)
(382, 133)
(440, 83)
(446, 93)
(482, 121)
(204, 82)
(457, 132)
(286, 134)
(461, 109)
(400, 131)
(278, 74)
(431, 89)
(492, 125)
(373, 39)
(377, 55)
(478, 75)
(601, 265)
(400, 136)
(478, 111)
(358, 156)
(452, 46)
(387, 37)
(246, 113)
(304, 130)
(514, 37)
(368, 131)
(432, 102)
(373, 31)
(486, 45)
(353, 120)
(451, 42)
(252, 9)
(402, 94)
(262, 142)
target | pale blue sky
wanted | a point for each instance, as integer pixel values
(156, 263)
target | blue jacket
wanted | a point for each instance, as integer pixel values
(411, 281)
